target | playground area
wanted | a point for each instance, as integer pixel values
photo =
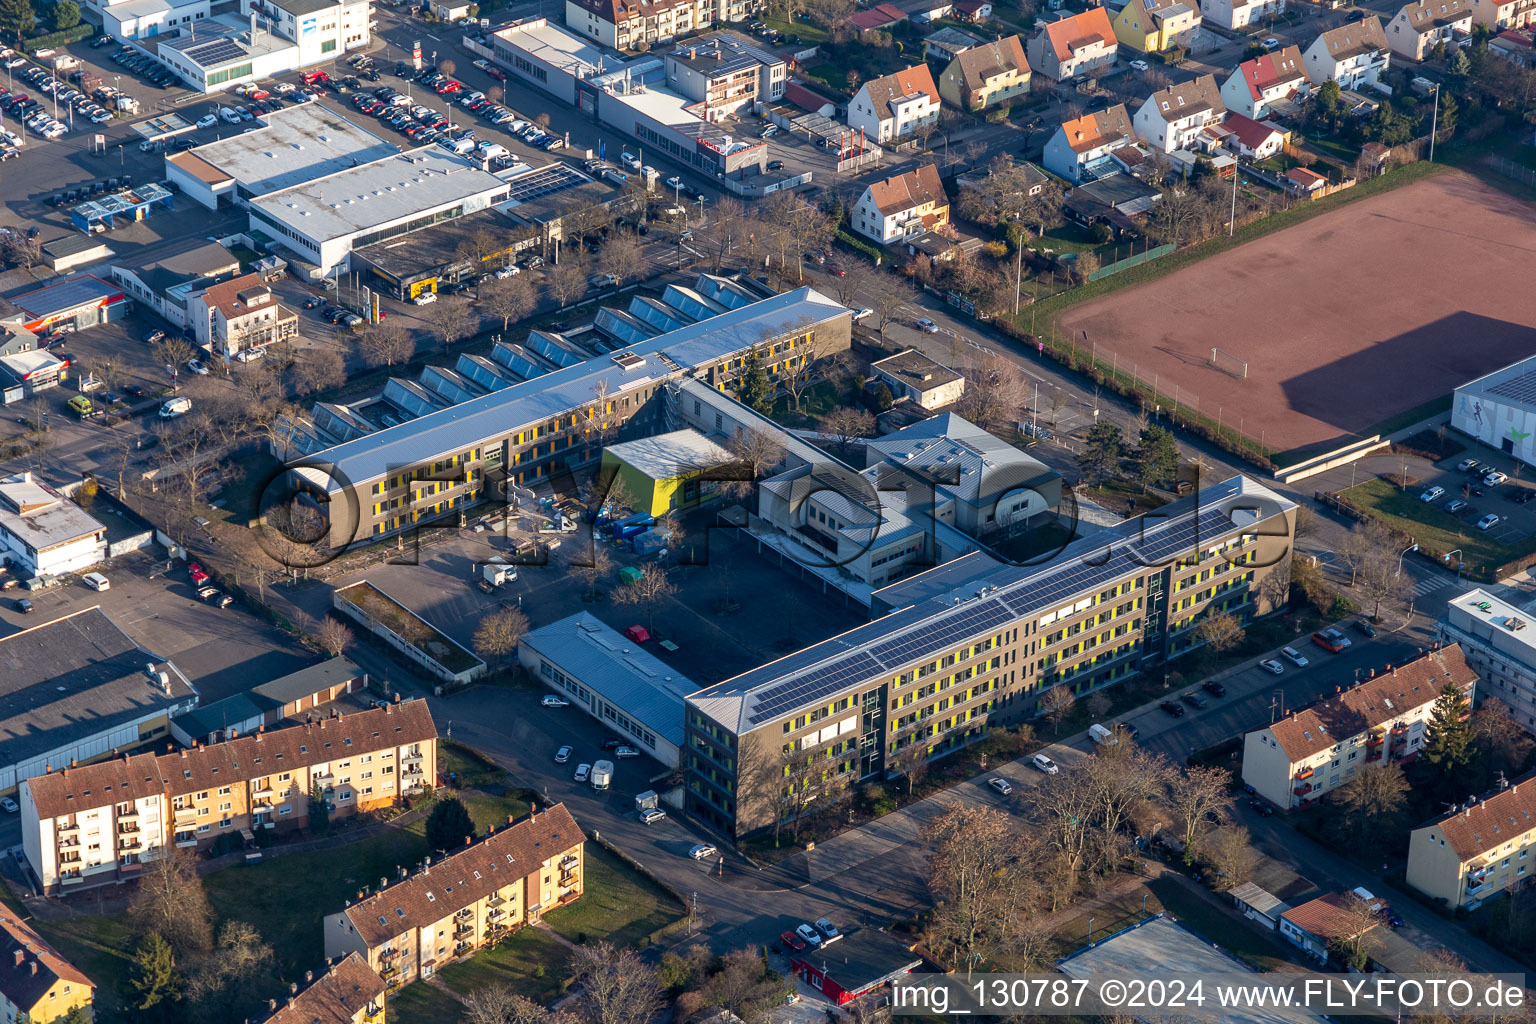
(1322, 331)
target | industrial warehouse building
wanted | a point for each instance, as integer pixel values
(1499, 409)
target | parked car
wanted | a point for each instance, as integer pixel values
(1194, 700)
(1494, 478)
(1001, 785)
(703, 851)
(810, 936)
(563, 755)
(551, 701)
(24, 606)
(1467, 465)
(1261, 807)
(1294, 656)
(1214, 688)
(1432, 494)
(1139, 65)
(1045, 764)
(651, 815)
(1364, 628)
(827, 929)
(927, 326)
(96, 581)
(1172, 708)
(1523, 495)
(9, 805)
(583, 773)
(792, 941)
(1455, 506)
(1488, 521)
(1331, 640)
(626, 752)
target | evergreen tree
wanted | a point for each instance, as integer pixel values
(1448, 734)
(449, 825)
(756, 391)
(1157, 457)
(1101, 455)
(16, 18)
(155, 980)
(66, 15)
(319, 810)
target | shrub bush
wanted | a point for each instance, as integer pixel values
(53, 40)
(859, 245)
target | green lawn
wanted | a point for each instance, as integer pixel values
(466, 762)
(818, 400)
(1065, 238)
(102, 947)
(810, 35)
(514, 963)
(1436, 531)
(618, 904)
(420, 1003)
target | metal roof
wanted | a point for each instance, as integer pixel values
(66, 295)
(292, 146)
(614, 667)
(975, 594)
(666, 456)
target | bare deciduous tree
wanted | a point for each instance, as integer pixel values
(567, 282)
(1232, 856)
(499, 633)
(846, 424)
(510, 298)
(1056, 704)
(912, 762)
(597, 566)
(994, 393)
(623, 256)
(1194, 796)
(652, 586)
(320, 369)
(333, 636)
(451, 321)
(385, 344)
(170, 901)
(616, 986)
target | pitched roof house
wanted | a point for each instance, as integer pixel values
(1311, 752)
(624, 24)
(36, 982)
(1239, 14)
(1081, 147)
(348, 992)
(986, 75)
(1074, 46)
(1255, 140)
(1153, 26)
(1422, 25)
(879, 16)
(1502, 15)
(1353, 55)
(974, 10)
(895, 105)
(1173, 118)
(1317, 923)
(1478, 850)
(902, 206)
(1257, 85)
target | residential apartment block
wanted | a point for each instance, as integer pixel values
(1083, 148)
(37, 985)
(98, 823)
(1172, 119)
(627, 24)
(986, 75)
(901, 207)
(347, 992)
(726, 73)
(1499, 642)
(1239, 14)
(473, 897)
(1074, 46)
(1422, 25)
(975, 642)
(1381, 719)
(1479, 850)
(1258, 85)
(239, 314)
(894, 106)
(381, 476)
(1354, 55)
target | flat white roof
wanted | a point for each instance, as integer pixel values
(41, 516)
(379, 193)
(558, 48)
(666, 456)
(297, 144)
(1514, 625)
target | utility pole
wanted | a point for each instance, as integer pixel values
(1434, 122)
(1232, 217)
(1018, 272)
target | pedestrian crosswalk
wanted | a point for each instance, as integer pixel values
(1430, 584)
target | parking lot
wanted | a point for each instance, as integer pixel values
(1466, 497)
(222, 651)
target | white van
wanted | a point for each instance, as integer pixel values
(228, 116)
(1103, 735)
(96, 581)
(630, 160)
(175, 407)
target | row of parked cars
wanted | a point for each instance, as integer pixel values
(145, 66)
(807, 936)
(1489, 478)
(416, 121)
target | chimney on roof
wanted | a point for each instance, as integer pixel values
(34, 968)
(293, 988)
(309, 976)
(1371, 674)
(234, 731)
(183, 754)
(509, 819)
(468, 840)
(20, 956)
(73, 762)
(48, 769)
(272, 1005)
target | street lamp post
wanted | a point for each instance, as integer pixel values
(1459, 565)
(1404, 554)
(1434, 122)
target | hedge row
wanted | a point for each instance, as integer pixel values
(859, 245)
(57, 39)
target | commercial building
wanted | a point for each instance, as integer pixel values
(297, 695)
(975, 642)
(323, 29)
(860, 962)
(1074, 46)
(474, 897)
(1499, 409)
(72, 304)
(1309, 753)
(239, 314)
(613, 679)
(667, 471)
(384, 471)
(79, 688)
(726, 73)
(37, 985)
(126, 206)
(347, 992)
(70, 251)
(626, 24)
(99, 823)
(285, 148)
(902, 206)
(1315, 926)
(984, 76)
(27, 372)
(1477, 850)
(165, 277)
(893, 107)
(1421, 26)
(913, 377)
(42, 532)
(324, 219)
(1498, 641)
(136, 20)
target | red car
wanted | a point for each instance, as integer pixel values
(316, 76)
(448, 87)
(260, 94)
(497, 73)
(792, 941)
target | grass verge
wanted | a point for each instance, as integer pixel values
(1436, 531)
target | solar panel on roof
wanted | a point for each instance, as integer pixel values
(215, 52)
(1517, 389)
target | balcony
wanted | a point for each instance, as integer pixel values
(496, 901)
(461, 948)
(567, 877)
(387, 955)
(186, 840)
(132, 812)
(66, 829)
(70, 857)
(128, 828)
(185, 813)
(1305, 773)
(1375, 739)
(567, 897)
(415, 758)
(263, 790)
(495, 914)
(1303, 789)
(467, 912)
(568, 862)
(464, 930)
(389, 972)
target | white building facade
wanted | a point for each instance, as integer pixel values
(43, 532)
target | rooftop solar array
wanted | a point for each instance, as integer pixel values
(970, 620)
(1517, 389)
(804, 689)
(1181, 538)
(218, 51)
